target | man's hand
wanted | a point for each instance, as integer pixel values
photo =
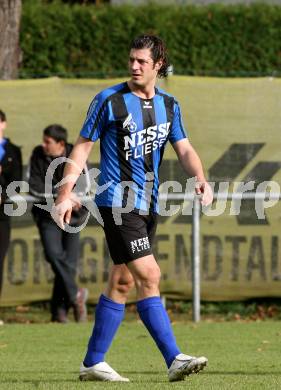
(203, 188)
(76, 203)
(62, 209)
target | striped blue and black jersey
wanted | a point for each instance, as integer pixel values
(133, 133)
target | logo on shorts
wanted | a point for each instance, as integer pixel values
(130, 124)
(140, 245)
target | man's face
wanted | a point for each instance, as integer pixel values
(141, 67)
(3, 126)
(51, 147)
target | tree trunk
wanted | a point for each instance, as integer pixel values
(10, 14)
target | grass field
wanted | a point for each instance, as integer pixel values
(47, 356)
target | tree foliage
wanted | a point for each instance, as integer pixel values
(69, 40)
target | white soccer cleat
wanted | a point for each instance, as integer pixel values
(184, 365)
(100, 372)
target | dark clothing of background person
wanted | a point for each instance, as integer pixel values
(11, 170)
(61, 248)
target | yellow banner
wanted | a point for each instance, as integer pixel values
(235, 124)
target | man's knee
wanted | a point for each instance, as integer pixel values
(122, 284)
(149, 279)
(53, 255)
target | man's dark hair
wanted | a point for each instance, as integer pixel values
(157, 48)
(57, 132)
(2, 116)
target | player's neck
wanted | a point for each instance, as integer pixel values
(144, 92)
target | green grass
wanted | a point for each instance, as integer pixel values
(47, 356)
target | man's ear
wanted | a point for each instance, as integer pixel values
(158, 65)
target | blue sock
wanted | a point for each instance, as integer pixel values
(157, 322)
(109, 315)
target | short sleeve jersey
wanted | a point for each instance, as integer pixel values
(133, 133)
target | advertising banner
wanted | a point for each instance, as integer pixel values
(234, 124)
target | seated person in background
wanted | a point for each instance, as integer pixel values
(61, 248)
(10, 170)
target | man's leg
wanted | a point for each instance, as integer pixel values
(146, 274)
(59, 308)
(5, 231)
(52, 241)
(109, 315)
(71, 247)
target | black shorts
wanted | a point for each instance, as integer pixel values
(131, 239)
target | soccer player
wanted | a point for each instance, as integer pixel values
(134, 121)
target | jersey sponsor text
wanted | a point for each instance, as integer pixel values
(145, 141)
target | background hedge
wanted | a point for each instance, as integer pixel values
(65, 40)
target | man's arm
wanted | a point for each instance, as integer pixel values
(36, 175)
(13, 170)
(72, 170)
(192, 165)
